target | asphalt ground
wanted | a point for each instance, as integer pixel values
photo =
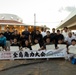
(37, 67)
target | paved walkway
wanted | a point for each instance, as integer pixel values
(37, 67)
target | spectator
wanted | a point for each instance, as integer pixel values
(60, 41)
(13, 30)
(72, 47)
(23, 38)
(65, 32)
(61, 31)
(40, 44)
(38, 36)
(53, 35)
(7, 34)
(43, 32)
(15, 42)
(69, 38)
(74, 34)
(58, 36)
(73, 42)
(27, 45)
(2, 41)
(26, 33)
(47, 36)
(48, 41)
(33, 33)
(16, 35)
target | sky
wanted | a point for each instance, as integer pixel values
(48, 12)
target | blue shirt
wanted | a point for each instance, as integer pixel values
(3, 40)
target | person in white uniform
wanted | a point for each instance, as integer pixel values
(69, 38)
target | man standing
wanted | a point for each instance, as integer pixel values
(2, 41)
(59, 36)
(69, 38)
(43, 32)
(53, 35)
(7, 34)
(65, 32)
(26, 33)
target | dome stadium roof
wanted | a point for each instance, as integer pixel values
(10, 17)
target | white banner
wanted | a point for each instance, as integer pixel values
(31, 54)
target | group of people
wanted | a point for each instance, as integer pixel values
(43, 38)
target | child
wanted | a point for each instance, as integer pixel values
(72, 49)
(40, 44)
(15, 43)
(48, 41)
(49, 44)
(72, 46)
(61, 43)
(27, 45)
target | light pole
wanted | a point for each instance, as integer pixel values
(34, 21)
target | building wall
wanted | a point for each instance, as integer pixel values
(19, 28)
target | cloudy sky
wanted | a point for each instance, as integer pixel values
(48, 12)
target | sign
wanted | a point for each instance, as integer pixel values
(32, 54)
(72, 49)
(50, 46)
(35, 47)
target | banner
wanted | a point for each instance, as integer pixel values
(33, 54)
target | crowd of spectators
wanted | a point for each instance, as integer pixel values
(43, 38)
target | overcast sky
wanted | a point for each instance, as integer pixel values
(48, 12)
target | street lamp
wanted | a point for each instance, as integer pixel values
(34, 21)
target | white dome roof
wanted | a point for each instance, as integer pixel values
(10, 17)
